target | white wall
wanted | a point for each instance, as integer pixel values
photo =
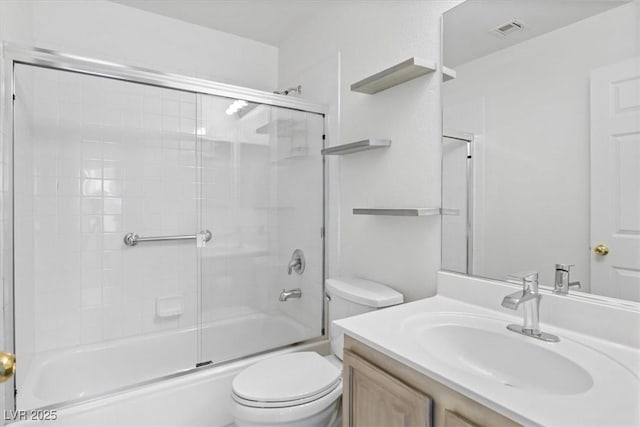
(532, 188)
(111, 31)
(370, 36)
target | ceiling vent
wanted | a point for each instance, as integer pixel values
(508, 28)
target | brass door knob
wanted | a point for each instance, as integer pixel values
(601, 250)
(7, 366)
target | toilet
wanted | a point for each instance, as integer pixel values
(304, 388)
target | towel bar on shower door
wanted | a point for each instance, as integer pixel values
(132, 239)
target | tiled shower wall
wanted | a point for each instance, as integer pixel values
(102, 158)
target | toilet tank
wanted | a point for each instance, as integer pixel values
(351, 296)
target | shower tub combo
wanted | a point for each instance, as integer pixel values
(149, 226)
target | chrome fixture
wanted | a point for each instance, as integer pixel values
(530, 300)
(297, 89)
(297, 262)
(132, 239)
(562, 282)
(291, 293)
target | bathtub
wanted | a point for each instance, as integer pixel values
(68, 376)
(201, 398)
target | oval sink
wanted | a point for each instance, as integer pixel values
(484, 347)
(512, 362)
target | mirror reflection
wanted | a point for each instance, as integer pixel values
(541, 144)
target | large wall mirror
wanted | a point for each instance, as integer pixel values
(541, 144)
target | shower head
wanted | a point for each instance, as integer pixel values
(297, 89)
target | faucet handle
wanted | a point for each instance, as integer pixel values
(523, 277)
(564, 267)
(528, 280)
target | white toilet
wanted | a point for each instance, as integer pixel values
(304, 388)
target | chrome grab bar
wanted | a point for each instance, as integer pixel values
(132, 239)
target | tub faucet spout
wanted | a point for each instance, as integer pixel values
(291, 293)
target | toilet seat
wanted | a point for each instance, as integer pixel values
(286, 381)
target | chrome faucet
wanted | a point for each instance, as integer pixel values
(297, 262)
(292, 293)
(562, 283)
(529, 298)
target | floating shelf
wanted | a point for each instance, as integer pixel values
(448, 74)
(354, 147)
(393, 76)
(451, 212)
(405, 211)
(283, 127)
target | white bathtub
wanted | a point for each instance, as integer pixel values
(202, 398)
(79, 373)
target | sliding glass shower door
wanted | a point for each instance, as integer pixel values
(261, 197)
(154, 230)
(96, 159)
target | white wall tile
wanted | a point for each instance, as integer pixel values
(86, 285)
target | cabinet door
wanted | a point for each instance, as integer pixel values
(451, 419)
(373, 398)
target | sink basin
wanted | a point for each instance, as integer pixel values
(512, 362)
(485, 348)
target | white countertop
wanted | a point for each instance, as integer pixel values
(610, 401)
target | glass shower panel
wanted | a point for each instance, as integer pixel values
(97, 158)
(456, 163)
(262, 198)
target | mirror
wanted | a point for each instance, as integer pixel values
(541, 144)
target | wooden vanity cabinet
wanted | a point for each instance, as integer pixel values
(380, 391)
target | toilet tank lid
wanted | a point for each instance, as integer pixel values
(362, 291)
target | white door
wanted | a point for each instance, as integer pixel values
(615, 180)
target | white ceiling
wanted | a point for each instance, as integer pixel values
(266, 21)
(467, 27)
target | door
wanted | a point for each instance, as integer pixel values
(261, 195)
(615, 180)
(97, 159)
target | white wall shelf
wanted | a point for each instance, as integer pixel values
(283, 127)
(448, 74)
(355, 147)
(393, 76)
(405, 211)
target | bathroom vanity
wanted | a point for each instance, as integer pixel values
(450, 360)
(379, 390)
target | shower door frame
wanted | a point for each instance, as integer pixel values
(11, 55)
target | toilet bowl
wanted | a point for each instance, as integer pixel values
(304, 388)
